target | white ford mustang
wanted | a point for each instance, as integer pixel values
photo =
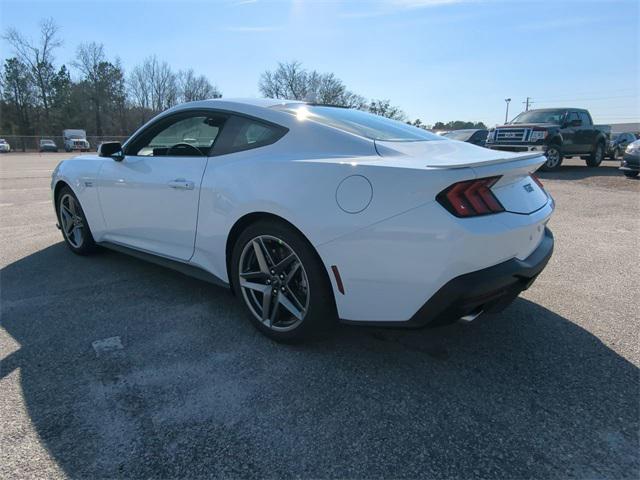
(312, 213)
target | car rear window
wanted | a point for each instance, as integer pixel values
(462, 135)
(358, 122)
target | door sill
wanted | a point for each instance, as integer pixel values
(184, 268)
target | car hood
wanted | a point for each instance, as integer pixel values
(530, 125)
(443, 154)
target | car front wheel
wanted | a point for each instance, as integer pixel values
(554, 159)
(631, 174)
(282, 282)
(73, 223)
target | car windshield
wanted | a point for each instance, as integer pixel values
(358, 122)
(540, 116)
(462, 135)
(46, 142)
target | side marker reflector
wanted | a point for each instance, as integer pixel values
(336, 274)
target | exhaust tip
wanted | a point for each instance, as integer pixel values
(471, 316)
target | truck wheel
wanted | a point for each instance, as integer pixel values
(595, 159)
(554, 159)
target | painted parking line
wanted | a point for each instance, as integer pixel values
(107, 346)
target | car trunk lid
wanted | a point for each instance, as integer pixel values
(516, 190)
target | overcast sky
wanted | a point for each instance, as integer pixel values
(439, 60)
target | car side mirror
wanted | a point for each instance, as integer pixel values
(111, 149)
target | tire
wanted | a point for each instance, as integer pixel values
(615, 154)
(73, 223)
(300, 283)
(595, 159)
(631, 174)
(554, 159)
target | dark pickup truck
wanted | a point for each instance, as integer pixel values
(558, 132)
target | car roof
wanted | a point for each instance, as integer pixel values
(236, 102)
(259, 107)
(557, 108)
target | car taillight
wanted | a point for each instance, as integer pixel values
(535, 178)
(471, 198)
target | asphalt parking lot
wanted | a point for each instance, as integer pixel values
(547, 389)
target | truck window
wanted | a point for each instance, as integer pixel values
(572, 116)
(586, 120)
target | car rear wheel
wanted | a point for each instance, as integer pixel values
(595, 159)
(282, 282)
(73, 223)
(554, 159)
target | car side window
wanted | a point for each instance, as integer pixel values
(191, 135)
(243, 133)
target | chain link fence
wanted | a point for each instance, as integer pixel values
(31, 143)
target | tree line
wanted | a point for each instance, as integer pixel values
(40, 97)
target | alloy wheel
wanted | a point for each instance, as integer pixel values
(72, 221)
(553, 158)
(274, 283)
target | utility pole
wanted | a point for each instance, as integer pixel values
(506, 115)
(527, 104)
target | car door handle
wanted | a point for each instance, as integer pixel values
(181, 184)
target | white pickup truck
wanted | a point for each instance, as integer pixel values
(4, 146)
(75, 140)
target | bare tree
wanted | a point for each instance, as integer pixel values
(104, 81)
(90, 56)
(291, 81)
(154, 85)
(38, 57)
(192, 87)
(139, 89)
(385, 109)
(164, 85)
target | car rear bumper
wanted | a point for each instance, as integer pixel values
(489, 290)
